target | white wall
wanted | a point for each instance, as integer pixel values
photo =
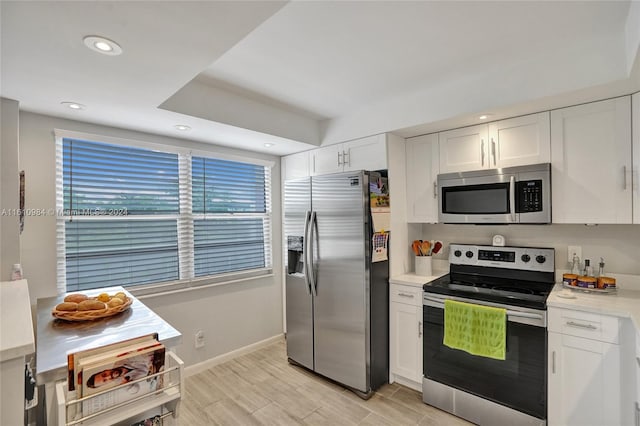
(619, 245)
(9, 187)
(232, 316)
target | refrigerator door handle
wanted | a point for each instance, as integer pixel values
(305, 249)
(313, 225)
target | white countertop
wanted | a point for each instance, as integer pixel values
(414, 280)
(16, 326)
(623, 303)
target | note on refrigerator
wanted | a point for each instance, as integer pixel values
(381, 221)
(380, 244)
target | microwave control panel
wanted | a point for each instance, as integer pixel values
(529, 196)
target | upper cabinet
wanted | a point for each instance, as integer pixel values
(295, 165)
(591, 162)
(505, 143)
(422, 166)
(368, 153)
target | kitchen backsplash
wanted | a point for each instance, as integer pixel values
(619, 245)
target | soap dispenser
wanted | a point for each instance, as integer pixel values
(601, 268)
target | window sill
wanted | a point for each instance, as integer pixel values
(155, 290)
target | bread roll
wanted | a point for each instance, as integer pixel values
(67, 306)
(76, 298)
(91, 305)
(115, 302)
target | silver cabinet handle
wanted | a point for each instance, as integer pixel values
(339, 158)
(577, 324)
(624, 176)
(419, 328)
(435, 189)
(346, 157)
(406, 295)
(482, 150)
(493, 151)
(553, 362)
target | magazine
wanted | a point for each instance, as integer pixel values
(73, 359)
(119, 375)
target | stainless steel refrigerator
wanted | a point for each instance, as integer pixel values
(336, 298)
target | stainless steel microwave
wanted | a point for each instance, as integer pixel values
(508, 195)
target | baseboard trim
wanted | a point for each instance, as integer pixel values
(205, 365)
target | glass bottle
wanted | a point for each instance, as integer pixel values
(575, 268)
(588, 269)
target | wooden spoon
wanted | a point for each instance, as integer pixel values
(424, 248)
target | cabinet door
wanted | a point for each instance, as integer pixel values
(464, 149)
(591, 162)
(635, 175)
(327, 160)
(584, 381)
(368, 153)
(295, 165)
(520, 141)
(406, 341)
(422, 166)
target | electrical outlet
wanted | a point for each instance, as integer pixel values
(574, 251)
(199, 339)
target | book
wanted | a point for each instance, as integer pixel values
(73, 359)
(113, 379)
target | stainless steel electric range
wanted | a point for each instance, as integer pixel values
(483, 390)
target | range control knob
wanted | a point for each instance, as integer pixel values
(457, 253)
(525, 258)
(469, 254)
(540, 258)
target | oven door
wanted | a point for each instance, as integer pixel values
(518, 382)
(486, 199)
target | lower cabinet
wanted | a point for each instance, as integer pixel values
(405, 335)
(584, 370)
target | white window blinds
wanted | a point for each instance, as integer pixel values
(139, 216)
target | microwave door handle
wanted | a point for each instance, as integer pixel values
(512, 197)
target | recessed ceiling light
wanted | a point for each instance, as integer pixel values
(73, 105)
(268, 145)
(484, 116)
(102, 45)
(182, 127)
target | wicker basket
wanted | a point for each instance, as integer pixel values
(93, 314)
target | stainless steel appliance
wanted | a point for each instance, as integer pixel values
(509, 195)
(483, 390)
(336, 298)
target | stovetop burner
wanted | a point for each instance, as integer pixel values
(516, 276)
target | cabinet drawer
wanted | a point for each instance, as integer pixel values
(406, 294)
(603, 328)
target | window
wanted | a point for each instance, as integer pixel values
(133, 216)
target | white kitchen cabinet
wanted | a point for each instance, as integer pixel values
(405, 335)
(506, 143)
(519, 141)
(584, 370)
(368, 153)
(635, 176)
(464, 149)
(295, 165)
(422, 167)
(591, 162)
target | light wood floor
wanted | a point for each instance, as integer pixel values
(262, 388)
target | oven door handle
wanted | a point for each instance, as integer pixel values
(440, 304)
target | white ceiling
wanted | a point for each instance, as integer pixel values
(298, 74)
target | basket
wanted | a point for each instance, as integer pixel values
(93, 314)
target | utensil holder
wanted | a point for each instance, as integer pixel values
(423, 265)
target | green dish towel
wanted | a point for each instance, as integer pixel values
(478, 330)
